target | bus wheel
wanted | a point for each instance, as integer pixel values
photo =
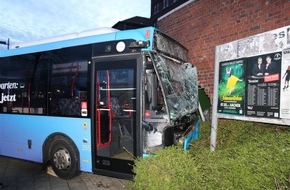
(64, 158)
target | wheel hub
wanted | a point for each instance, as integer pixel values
(62, 159)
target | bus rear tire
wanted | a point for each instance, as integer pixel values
(64, 158)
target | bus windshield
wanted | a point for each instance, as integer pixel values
(178, 78)
(180, 88)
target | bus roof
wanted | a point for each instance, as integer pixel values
(82, 38)
(74, 35)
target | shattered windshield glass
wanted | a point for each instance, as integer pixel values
(178, 79)
(179, 84)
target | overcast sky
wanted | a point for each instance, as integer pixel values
(28, 20)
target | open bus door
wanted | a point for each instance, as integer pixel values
(115, 98)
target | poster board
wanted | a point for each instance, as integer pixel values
(252, 79)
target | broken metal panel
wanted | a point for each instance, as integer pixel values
(169, 47)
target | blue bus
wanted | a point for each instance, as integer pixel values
(94, 102)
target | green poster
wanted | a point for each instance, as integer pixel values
(231, 88)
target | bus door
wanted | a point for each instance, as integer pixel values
(114, 116)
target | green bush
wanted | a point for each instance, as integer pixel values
(248, 156)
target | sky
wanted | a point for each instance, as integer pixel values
(30, 20)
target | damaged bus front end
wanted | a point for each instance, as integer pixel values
(170, 98)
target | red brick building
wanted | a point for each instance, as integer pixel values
(201, 25)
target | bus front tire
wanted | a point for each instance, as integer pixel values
(64, 158)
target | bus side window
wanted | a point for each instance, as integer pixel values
(23, 79)
(68, 81)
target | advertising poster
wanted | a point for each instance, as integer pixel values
(248, 47)
(263, 85)
(285, 89)
(228, 51)
(273, 41)
(254, 78)
(231, 89)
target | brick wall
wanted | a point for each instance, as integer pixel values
(203, 24)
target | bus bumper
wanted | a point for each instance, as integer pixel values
(192, 135)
